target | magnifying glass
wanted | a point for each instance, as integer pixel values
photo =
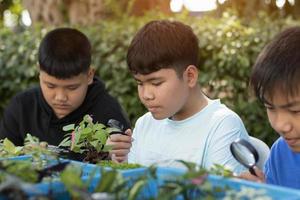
(117, 126)
(245, 153)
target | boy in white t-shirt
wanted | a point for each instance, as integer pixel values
(182, 123)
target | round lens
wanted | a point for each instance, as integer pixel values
(243, 154)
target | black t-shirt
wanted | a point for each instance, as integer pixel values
(28, 112)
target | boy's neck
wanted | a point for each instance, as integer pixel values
(196, 103)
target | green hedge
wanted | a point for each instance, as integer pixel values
(228, 49)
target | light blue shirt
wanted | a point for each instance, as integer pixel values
(283, 166)
(203, 138)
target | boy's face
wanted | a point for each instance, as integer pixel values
(65, 95)
(284, 117)
(164, 94)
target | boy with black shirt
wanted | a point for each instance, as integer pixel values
(68, 90)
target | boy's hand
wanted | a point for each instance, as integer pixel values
(248, 176)
(121, 144)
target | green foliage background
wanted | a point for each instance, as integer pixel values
(229, 46)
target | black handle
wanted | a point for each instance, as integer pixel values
(252, 171)
(118, 126)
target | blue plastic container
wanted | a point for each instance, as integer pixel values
(273, 191)
(58, 191)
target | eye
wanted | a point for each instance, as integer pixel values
(72, 87)
(295, 111)
(157, 83)
(50, 86)
(139, 83)
(270, 108)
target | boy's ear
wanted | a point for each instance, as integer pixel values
(91, 74)
(191, 73)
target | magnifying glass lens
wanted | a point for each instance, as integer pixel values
(243, 155)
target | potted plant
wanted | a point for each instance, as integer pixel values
(87, 140)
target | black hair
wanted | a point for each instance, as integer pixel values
(64, 53)
(163, 44)
(278, 66)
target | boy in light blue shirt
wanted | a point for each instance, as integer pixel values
(182, 122)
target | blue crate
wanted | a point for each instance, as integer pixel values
(163, 174)
(23, 157)
(54, 189)
(150, 191)
(273, 191)
(235, 184)
(58, 191)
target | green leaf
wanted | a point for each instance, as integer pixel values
(71, 177)
(86, 131)
(101, 137)
(98, 126)
(107, 180)
(77, 148)
(137, 187)
(107, 148)
(69, 127)
(65, 143)
(18, 150)
(29, 139)
(9, 146)
(95, 144)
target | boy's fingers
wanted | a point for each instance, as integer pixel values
(119, 144)
(114, 158)
(121, 159)
(248, 176)
(120, 138)
(120, 152)
(118, 159)
(128, 132)
(260, 174)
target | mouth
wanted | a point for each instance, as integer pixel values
(61, 107)
(291, 141)
(152, 109)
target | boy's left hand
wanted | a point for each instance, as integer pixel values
(121, 144)
(260, 177)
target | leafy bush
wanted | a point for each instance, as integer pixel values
(229, 48)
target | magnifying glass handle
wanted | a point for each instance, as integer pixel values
(252, 171)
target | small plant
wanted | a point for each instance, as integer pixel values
(18, 178)
(32, 146)
(71, 177)
(17, 168)
(220, 170)
(112, 184)
(191, 185)
(114, 165)
(8, 149)
(88, 138)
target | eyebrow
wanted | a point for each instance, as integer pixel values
(47, 82)
(288, 105)
(71, 85)
(150, 79)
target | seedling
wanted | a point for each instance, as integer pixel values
(88, 138)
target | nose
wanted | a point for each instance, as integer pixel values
(282, 123)
(61, 96)
(146, 93)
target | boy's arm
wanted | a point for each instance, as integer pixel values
(218, 150)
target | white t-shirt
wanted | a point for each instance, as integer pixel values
(203, 138)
